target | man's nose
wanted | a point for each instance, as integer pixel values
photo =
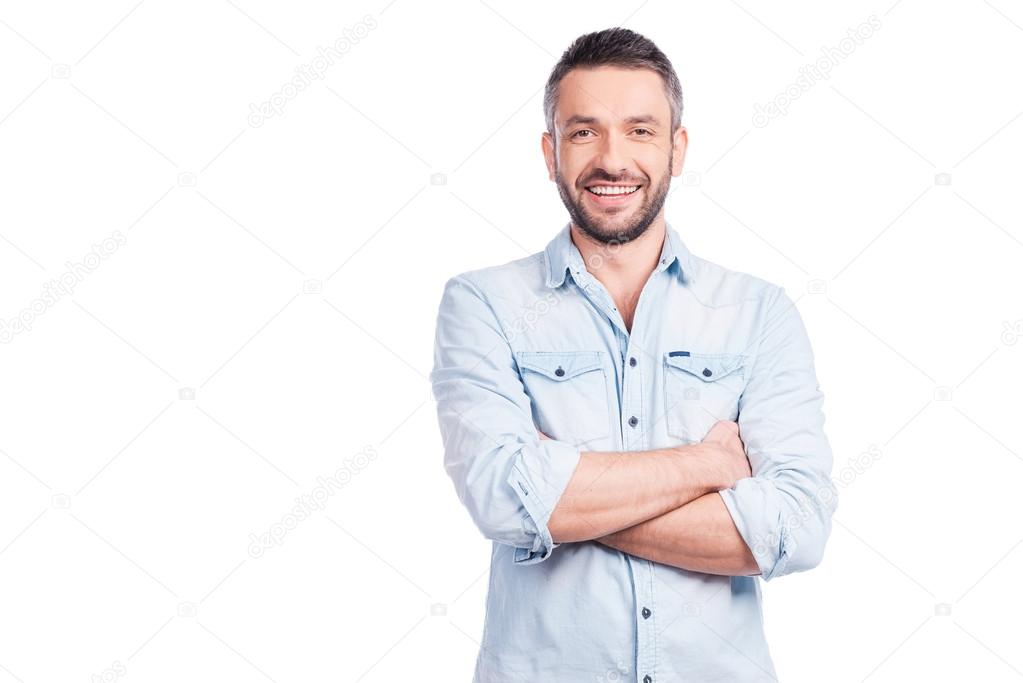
(611, 158)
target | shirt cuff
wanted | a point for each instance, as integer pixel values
(758, 528)
(539, 476)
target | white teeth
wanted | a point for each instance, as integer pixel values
(612, 190)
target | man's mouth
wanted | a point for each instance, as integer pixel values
(611, 196)
(612, 190)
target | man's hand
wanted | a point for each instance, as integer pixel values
(699, 536)
(726, 453)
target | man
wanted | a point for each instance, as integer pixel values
(638, 430)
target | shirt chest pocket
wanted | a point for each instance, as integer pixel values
(568, 392)
(699, 390)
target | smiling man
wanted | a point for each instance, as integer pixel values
(639, 431)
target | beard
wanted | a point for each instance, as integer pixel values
(609, 229)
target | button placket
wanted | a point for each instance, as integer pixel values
(634, 408)
(632, 396)
(646, 660)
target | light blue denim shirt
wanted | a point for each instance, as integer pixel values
(537, 343)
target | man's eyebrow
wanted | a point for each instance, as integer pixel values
(639, 118)
(643, 118)
(579, 118)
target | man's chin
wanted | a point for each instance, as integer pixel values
(611, 232)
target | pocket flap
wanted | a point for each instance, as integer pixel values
(559, 365)
(707, 366)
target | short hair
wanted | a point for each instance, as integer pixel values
(614, 47)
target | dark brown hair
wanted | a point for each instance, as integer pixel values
(614, 47)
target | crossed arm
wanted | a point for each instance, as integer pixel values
(699, 536)
(661, 505)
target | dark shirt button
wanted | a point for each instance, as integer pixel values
(560, 372)
(707, 372)
(647, 679)
(646, 613)
(632, 362)
(633, 421)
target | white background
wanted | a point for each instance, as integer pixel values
(268, 319)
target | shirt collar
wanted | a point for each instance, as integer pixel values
(561, 255)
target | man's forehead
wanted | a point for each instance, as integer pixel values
(609, 95)
(588, 119)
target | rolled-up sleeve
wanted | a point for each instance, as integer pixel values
(783, 512)
(506, 476)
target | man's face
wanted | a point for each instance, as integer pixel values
(613, 131)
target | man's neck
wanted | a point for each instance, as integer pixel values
(623, 269)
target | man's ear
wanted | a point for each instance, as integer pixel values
(549, 154)
(678, 151)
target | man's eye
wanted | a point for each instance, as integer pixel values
(576, 134)
(644, 130)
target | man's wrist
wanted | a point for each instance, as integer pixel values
(701, 470)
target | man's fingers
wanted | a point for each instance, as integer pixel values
(723, 429)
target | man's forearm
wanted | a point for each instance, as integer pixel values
(699, 536)
(612, 491)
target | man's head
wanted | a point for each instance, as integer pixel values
(613, 106)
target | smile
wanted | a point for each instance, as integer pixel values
(612, 190)
(611, 196)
